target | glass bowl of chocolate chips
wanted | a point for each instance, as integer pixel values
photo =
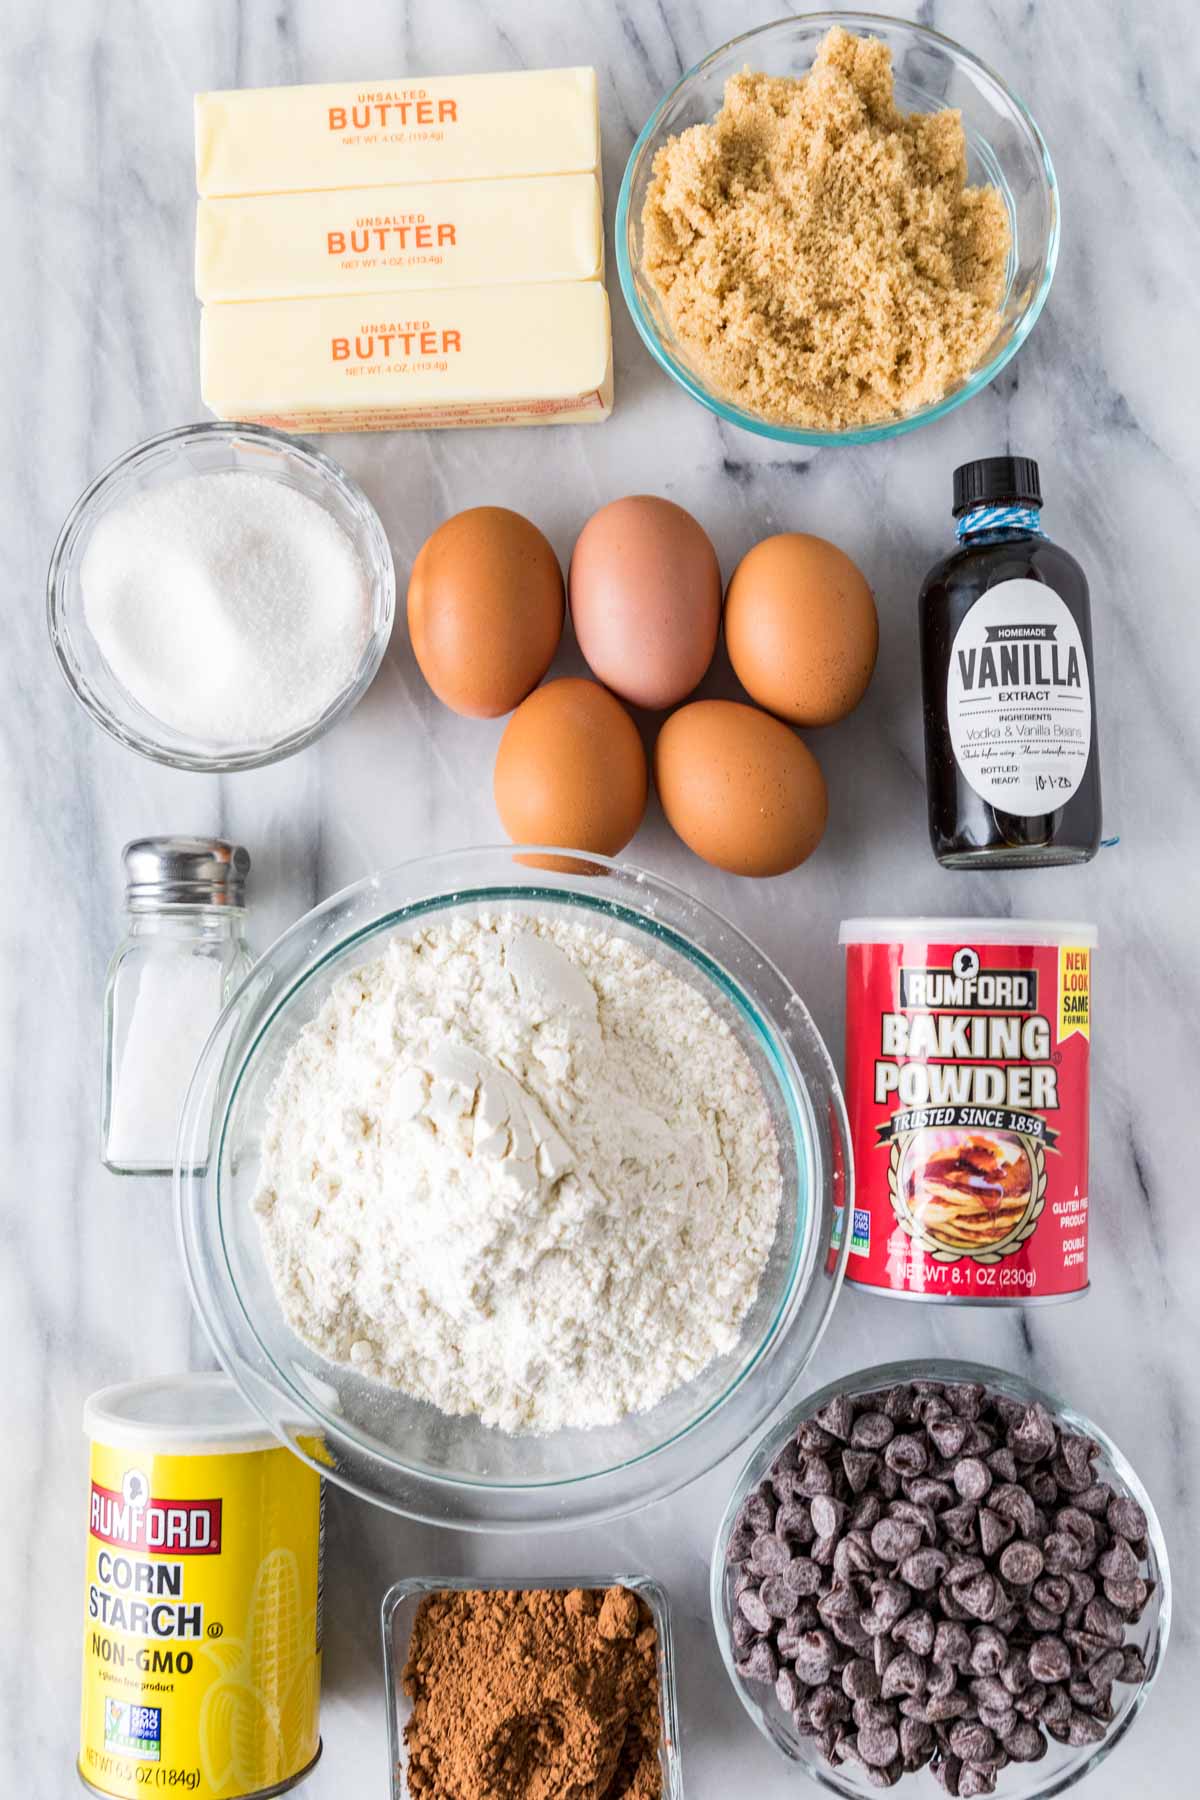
(933, 1575)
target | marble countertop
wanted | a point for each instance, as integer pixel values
(96, 207)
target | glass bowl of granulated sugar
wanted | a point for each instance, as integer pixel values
(511, 1188)
(220, 596)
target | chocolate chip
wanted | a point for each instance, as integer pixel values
(959, 1522)
(904, 1675)
(787, 1690)
(859, 1466)
(1049, 1660)
(1119, 1562)
(753, 1611)
(1062, 1553)
(871, 1431)
(1003, 1465)
(973, 1743)
(994, 1531)
(1034, 1437)
(892, 1539)
(814, 1658)
(828, 1515)
(859, 1679)
(801, 1576)
(907, 1455)
(989, 1651)
(1018, 1677)
(947, 1706)
(879, 1745)
(1106, 1669)
(972, 1478)
(1084, 1729)
(981, 1596)
(915, 1631)
(740, 1541)
(776, 1597)
(1128, 1596)
(812, 1440)
(916, 1743)
(1125, 1517)
(759, 1664)
(868, 1510)
(1053, 1593)
(837, 1417)
(793, 1522)
(923, 1569)
(974, 1781)
(948, 1435)
(1021, 1563)
(758, 1510)
(814, 1477)
(946, 1772)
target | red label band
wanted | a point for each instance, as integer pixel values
(163, 1527)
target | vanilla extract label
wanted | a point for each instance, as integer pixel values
(1018, 699)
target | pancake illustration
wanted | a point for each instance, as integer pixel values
(967, 1190)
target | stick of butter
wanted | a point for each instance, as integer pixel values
(378, 240)
(518, 355)
(432, 128)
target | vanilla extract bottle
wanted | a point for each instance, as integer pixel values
(1011, 760)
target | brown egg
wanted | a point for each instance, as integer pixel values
(646, 599)
(571, 770)
(801, 628)
(739, 787)
(485, 610)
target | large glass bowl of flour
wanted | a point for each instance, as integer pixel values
(407, 1453)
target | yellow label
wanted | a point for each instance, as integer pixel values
(202, 1623)
(1074, 992)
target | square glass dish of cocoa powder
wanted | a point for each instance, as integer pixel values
(402, 1614)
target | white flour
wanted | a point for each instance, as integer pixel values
(518, 1168)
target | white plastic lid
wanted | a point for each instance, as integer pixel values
(177, 1415)
(967, 931)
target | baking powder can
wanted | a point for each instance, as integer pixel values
(967, 1046)
(202, 1598)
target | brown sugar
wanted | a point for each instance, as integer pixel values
(537, 1694)
(818, 253)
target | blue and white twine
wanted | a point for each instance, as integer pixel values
(998, 518)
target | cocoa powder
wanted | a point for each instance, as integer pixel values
(533, 1694)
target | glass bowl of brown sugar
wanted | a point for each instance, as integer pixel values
(504, 1729)
(845, 338)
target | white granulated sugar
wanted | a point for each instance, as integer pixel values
(519, 1168)
(231, 607)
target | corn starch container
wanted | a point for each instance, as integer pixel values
(202, 1603)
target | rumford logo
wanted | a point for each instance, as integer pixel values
(134, 1520)
(965, 988)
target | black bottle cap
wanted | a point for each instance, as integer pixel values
(993, 479)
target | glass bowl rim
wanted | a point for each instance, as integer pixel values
(329, 474)
(647, 1587)
(885, 428)
(774, 1035)
(948, 1369)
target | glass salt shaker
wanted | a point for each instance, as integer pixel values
(183, 954)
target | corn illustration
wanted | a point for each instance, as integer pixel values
(257, 1720)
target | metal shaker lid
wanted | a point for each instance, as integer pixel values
(184, 871)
